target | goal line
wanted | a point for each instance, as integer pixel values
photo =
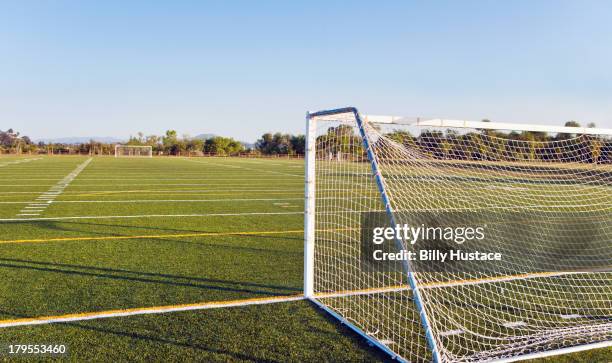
(66, 318)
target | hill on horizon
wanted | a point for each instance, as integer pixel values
(80, 140)
(248, 145)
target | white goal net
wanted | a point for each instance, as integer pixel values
(133, 151)
(541, 200)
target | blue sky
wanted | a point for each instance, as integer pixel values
(241, 68)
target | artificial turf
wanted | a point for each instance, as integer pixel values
(181, 214)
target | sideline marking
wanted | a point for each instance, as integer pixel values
(19, 161)
(451, 332)
(155, 236)
(149, 216)
(148, 310)
(570, 316)
(514, 324)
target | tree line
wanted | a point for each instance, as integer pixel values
(168, 144)
(342, 140)
(481, 144)
(10, 140)
(171, 144)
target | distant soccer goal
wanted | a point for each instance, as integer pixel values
(522, 212)
(133, 151)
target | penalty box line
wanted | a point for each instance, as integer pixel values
(146, 310)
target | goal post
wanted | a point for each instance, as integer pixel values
(133, 151)
(539, 196)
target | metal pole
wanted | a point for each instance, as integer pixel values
(309, 215)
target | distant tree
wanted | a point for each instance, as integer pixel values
(572, 124)
(12, 142)
(568, 136)
(298, 144)
(402, 137)
(272, 144)
(265, 144)
(222, 146)
(279, 143)
(283, 143)
(596, 146)
(195, 145)
(170, 143)
(152, 140)
(136, 141)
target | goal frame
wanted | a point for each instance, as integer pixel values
(148, 147)
(310, 212)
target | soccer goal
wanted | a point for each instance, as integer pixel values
(133, 150)
(538, 197)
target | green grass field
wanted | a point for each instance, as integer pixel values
(135, 233)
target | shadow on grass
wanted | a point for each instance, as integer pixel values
(198, 279)
(151, 339)
(195, 282)
(345, 330)
(64, 226)
(50, 225)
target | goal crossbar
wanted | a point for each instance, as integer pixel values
(451, 123)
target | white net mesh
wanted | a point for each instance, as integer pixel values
(133, 151)
(546, 203)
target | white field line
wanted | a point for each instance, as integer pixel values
(119, 191)
(149, 216)
(127, 201)
(514, 324)
(551, 353)
(52, 193)
(152, 176)
(570, 316)
(19, 161)
(246, 183)
(245, 168)
(95, 175)
(145, 311)
(237, 178)
(451, 332)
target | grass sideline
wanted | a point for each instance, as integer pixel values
(174, 260)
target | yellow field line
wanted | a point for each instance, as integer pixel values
(194, 189)
(452, 283)
(135, 191)
(200, 234)
(147, 310)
